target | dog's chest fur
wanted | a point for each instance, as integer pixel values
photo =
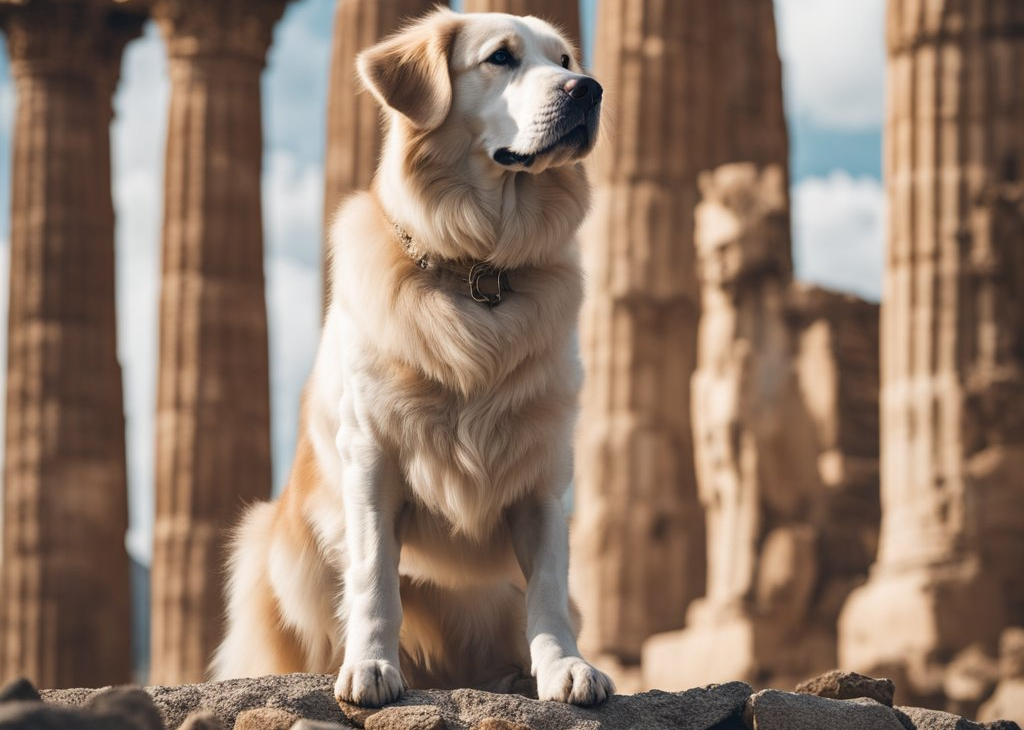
(467, 458)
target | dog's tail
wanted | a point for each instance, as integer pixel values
(256, 642)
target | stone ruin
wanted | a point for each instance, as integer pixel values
(790, 498)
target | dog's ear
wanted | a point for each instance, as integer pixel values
(408, 72)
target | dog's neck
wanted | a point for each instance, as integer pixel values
(478, 280)
(458, 205)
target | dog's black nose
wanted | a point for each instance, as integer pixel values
(584, 91)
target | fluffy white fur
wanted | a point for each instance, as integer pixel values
(421, 539)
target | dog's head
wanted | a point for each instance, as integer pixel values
(511, 85)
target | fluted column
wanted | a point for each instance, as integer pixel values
(690, 85)
(65, 608)
(213, 413)
(354, 125)
(952, 542)
(563, 13)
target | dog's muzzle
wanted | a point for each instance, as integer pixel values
(578, 116)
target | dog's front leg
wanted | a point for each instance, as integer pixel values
(541, 542)
(372, 606)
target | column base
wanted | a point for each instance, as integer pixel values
(907, 623)
(728, 645)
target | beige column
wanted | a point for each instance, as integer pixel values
(952, 542)
(213, 414)
(563, 13)
(689, 85)
(354, 125)
(65, 610)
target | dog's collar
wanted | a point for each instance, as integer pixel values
(486, 284)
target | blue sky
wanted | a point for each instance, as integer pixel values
(834, 84)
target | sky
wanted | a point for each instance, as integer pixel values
(833, 57)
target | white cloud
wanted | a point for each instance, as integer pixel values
(292, 213)
(839, 233)
(138, 149)
(833, 53)
(293, 306)
(293, 196)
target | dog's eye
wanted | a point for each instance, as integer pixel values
(565, 61)
(501, 58)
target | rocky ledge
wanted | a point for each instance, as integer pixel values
(836, 701)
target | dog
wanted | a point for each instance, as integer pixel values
(422, 539)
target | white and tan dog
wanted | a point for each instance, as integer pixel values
(422, 534)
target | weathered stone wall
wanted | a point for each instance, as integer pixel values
(790, 498)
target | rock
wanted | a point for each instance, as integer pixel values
(310, 696)
(356, 714)
(840, 685)
(202, 720)
(19, 690)
(1001, 725)
(29, 715)
(774, 710)
(916, 718)
(133, 704)
(494, 723)
(406, 718)
(266, 718)
(317, 725)
(113, 708)
(696, 709)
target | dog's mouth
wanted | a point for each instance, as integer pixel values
(577, 140)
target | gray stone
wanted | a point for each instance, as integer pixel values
(495, 723)
(202, 720)
(406, 718)
(775, 710)
(131, 704)
(1001, 725)
(916, 718)
(317, 725)
(312, 697)
(266, 718)
(305, 695)
(840, 685)
(29, 715)
(20, 690)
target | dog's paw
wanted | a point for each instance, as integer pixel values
(369, 683)
(574, 681)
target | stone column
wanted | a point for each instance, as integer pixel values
(213, 413)
(952, 543)
(65, 606)
(690, 85)
(563, 13)
(354, 125)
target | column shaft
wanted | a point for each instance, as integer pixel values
(65, 606)
(563, 13)
(354, 125)
(213, 412)
(952, 539)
